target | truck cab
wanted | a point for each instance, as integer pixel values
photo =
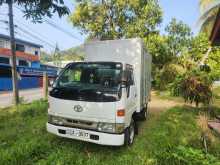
(96, 101)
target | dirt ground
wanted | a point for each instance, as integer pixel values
(159, 105)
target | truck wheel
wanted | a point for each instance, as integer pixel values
(129, 134)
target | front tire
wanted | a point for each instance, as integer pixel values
(130, 134)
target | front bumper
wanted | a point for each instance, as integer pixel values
(94, 137)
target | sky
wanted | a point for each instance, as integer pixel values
(185, 10)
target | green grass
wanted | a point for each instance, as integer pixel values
(170, 138)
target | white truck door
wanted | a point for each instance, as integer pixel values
(131, 94)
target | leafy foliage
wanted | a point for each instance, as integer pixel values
(117, 18)
(194, 87)
(213, 62)
(72, 54)
(170, 52)
(168, 74)
(209, 10)
(178, 37)
(45, 57)
(199, 47)
(158, 48)
(204, 4)
(37, 9)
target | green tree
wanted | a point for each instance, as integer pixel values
(74, 54)
(37, 9)
(178, 37)
(213, 62)
(158, 48)
(199, 47)
(45, 57)
(116, 18)
(170, 53)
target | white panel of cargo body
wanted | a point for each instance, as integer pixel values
(146, 78)
(128, 51)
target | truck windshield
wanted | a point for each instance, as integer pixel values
(89, 82)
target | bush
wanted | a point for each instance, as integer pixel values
(194, 87)
(167, 75)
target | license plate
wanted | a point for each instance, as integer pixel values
(77, 133)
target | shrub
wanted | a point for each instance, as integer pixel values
(168, 74)
(194, 87)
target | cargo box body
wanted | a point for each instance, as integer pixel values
(126, 51)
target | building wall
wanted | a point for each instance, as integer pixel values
(35, 64)
(4, 44)
(27, 49)
(32, 50)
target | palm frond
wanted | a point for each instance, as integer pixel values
(211, 11)
(204, 4)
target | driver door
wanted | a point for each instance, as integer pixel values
(131, 91)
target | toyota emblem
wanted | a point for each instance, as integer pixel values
(78, 108)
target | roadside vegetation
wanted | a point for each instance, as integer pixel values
(170, 137)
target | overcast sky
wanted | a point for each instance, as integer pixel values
(185, 10)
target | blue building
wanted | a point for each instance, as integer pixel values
(29, 69)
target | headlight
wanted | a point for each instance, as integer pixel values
(55, 120)
(111, 127)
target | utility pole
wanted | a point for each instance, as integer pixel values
(13, 53)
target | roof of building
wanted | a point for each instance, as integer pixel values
(17, 40)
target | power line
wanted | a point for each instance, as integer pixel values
(39, 34)
(4, 14)
(35, 36)
(4, 28)
(22, 34)
(56, 26)
(29, 33)
(4, 21)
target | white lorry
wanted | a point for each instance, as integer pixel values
(101, 99)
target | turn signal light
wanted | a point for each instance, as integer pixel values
(121, 112)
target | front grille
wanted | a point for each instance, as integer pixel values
(80, 123)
